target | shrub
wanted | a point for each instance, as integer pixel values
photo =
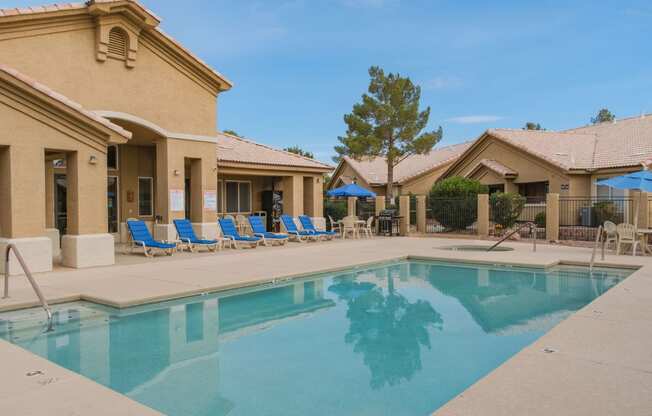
(335, 208)
(454, 202)
(506, 208)
(606, 211)
(540, 219)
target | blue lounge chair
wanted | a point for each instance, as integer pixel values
(306, 223)
(189, 239)
(141, 237)
(258, 229)
(294, 232)
(230, 233)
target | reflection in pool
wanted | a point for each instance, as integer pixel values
(395, 339)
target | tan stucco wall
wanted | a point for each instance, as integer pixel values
(423, 184)
(530, 169)
(28, 135)
(156, 89)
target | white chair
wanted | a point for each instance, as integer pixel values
(627, 236)
(349, 226)
(611, 234)
(367, 229)
(335, 226)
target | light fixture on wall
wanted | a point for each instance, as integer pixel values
(176, 172)
(92, 160)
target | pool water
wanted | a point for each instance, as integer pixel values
(398, 338)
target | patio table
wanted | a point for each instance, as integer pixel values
(643, 234)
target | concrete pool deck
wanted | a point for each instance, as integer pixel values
(601, 364)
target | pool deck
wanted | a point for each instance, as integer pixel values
(601, 362)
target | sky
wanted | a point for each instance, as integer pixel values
(299, 65)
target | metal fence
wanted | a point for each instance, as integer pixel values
(365, 208)
(452, 215)
(580, 217)
(505, 216)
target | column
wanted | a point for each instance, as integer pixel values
(293, 195)
(642, 201)
(350, 206)
(510, 186)
(380, 204)
(87, 242)
(404, 203)
(552, 217)
(22, 211)
(483, 215)
(421, 213)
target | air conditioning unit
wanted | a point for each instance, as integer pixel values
(586, 217)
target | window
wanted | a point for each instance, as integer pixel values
(607, 192)
(118, 43)
(145, 196)
(112, 157)
(238, 196)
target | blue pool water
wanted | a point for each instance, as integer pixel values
(394, 339)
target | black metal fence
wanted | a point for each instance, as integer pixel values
(580, 217)
(507, 215)
(365, 208)
(452, 215)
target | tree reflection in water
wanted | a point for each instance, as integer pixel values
(386, 329)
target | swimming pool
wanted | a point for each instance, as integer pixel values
(399, 338)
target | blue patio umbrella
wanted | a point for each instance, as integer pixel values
(640, 181)
(637, 181)
(350, 190)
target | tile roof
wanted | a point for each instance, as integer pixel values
(79, 6)
(624, 142)
(239, 150)
(64, 100)
(374, 170)
(498, 167)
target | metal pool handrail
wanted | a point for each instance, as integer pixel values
(28, 274)
(598, 239)
(532, 230)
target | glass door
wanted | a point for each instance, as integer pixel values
(60, 204)
(112, 191)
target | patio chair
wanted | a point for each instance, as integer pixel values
(611, 233)
(141, 237)
(367, 229)
(230, 234)
(349, 226)
(188, 238)
(258, 229)
(306, 223)
(296, 234)
(335, 226)
(627, 236)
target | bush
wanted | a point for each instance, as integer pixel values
(606, 211)
(454, 202)
(540, 219)
(506, 208)
(335, 208)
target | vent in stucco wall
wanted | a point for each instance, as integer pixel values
(117, 46)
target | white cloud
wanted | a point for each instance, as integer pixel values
(369, 3)
(475, 119)
(440, 83)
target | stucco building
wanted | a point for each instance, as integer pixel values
(569, 162)
(105, 118)
(413, 175)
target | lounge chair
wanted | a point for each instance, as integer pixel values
(306, 223)
(141, 237)
(258, 229)
(230, 234)
(188, 238)
(294, 232)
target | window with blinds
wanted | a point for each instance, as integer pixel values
(118, 43)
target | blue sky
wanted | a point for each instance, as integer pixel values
(299, 65)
